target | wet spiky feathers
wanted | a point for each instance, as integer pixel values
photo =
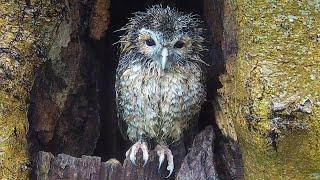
(159, 81)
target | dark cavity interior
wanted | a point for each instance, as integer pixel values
(110, 143)
(87, 123)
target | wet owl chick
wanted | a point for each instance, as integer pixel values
(159, 83)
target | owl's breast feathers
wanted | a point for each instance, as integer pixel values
(158, 105)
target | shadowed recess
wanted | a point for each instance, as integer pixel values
(110, 143)
(72, 102)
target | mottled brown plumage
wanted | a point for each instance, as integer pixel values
(159, 82)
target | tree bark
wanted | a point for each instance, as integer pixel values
(269, 102)
(271, 88)
(199, 163)
(27, 29)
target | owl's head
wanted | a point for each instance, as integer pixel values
(165, 36)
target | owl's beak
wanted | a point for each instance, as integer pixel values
(164, 54)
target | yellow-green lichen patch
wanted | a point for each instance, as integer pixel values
(278, 62)
(13, 154)
(25, 34)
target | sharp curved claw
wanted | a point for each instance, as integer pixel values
(144, 164)
(169, 174)
(161, 159)
(132, 156)
(162, 151)
(132, 152)
(145, 154)
(170, 168)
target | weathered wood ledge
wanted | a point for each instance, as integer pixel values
(200, 163)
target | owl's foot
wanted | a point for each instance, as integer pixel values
(132, 152)
(162, 151)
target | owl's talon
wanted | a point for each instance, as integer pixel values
(161, 158)
(170, 167)
(162, 151)
(132, 155)
(132, 152)
(145, 154)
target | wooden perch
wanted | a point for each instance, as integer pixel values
(200, 162)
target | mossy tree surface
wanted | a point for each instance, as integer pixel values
(26, 30)
(272, 89)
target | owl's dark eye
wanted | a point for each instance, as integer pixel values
(150, 42)
(179, 44)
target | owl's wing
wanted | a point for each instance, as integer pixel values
(121, 124)
(123, 128)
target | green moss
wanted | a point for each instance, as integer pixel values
(23, 30)
(278, 61)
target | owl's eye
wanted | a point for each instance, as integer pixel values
(179, 44)
(150, 42)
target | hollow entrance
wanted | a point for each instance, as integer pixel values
(110, 143)
(76, 113)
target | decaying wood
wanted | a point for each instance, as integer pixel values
(63, 108)
(100, 19)
(200, 163)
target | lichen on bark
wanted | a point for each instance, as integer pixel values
(277, 67)
(270, 93)
(26, 30)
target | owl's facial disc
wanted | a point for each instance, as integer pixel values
(164, 51)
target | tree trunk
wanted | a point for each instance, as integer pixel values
(26, 34)
(57, 67)
(271, 89)
(199, 163)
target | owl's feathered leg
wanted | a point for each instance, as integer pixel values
(132, 152)
(163, 150)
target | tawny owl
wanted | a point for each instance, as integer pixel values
(159, 83)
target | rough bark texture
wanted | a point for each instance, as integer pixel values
(44, 51)
(199, 163)
(223, 30)
(271, 91)
(26, 30)
(63, 112)
(100, 19)
(48, 76)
